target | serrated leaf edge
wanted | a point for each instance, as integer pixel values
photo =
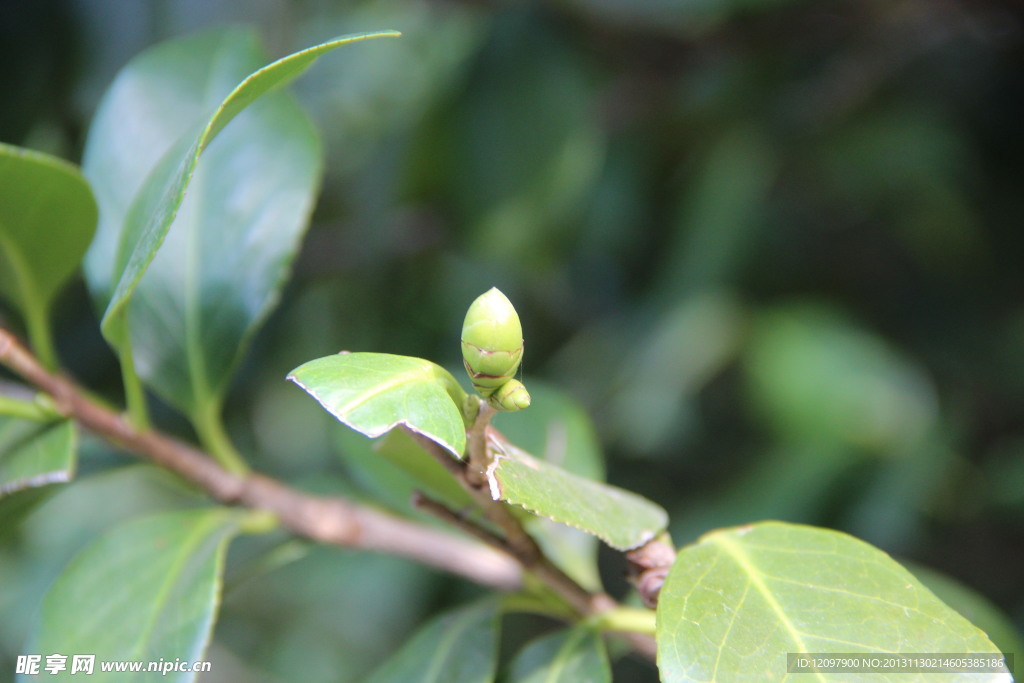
(495, 490)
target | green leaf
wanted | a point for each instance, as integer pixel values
(458, 647)
(375, 392)
(394, 466)
(148, 589)
(14, 510)
(559, 431)
(219, 272)
(620, 518)
(974, 606)
(570, 655)
(50, 525)
(739, 599)
(47, 219)
(34, 453)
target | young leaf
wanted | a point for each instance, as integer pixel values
(47, 219)
(570, 655)
(559, 431)
(620, 518)
(34, 453)
(394, 466)
(146, 590)
(736, 602)
(375, 392)
(238, 230)
(457, 647)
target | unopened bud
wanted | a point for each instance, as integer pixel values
(492, 348)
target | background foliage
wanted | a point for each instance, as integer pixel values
(774, 248)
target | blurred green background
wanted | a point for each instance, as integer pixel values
(773, 247)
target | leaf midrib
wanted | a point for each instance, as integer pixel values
(185, 552)
(736, 551)
(412, 376)
(558, 663)
(453, 633)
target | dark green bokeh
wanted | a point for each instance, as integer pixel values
(774, 247)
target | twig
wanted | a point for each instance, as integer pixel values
(525, 550)
(336, 520)
(329, 520)
(597, 605)
(445, 514)
(518, 542)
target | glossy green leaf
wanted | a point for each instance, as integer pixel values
(739, 599)
(46, 527)
(570, 655)
(219, 271)
(35, 453)
(974, 606)
(375, 392)
(458, 647)
(559, 431)
(394, 466)
(620, 518)
(47, 219)
(148, 589)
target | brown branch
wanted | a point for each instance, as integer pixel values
(424, 502)
(521, 544)
(640, 642)
(523, 547)
(334, 521)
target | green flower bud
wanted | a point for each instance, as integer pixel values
(492, 348)
(510, 396)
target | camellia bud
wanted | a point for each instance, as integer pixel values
(492, 348)
(510, 396)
